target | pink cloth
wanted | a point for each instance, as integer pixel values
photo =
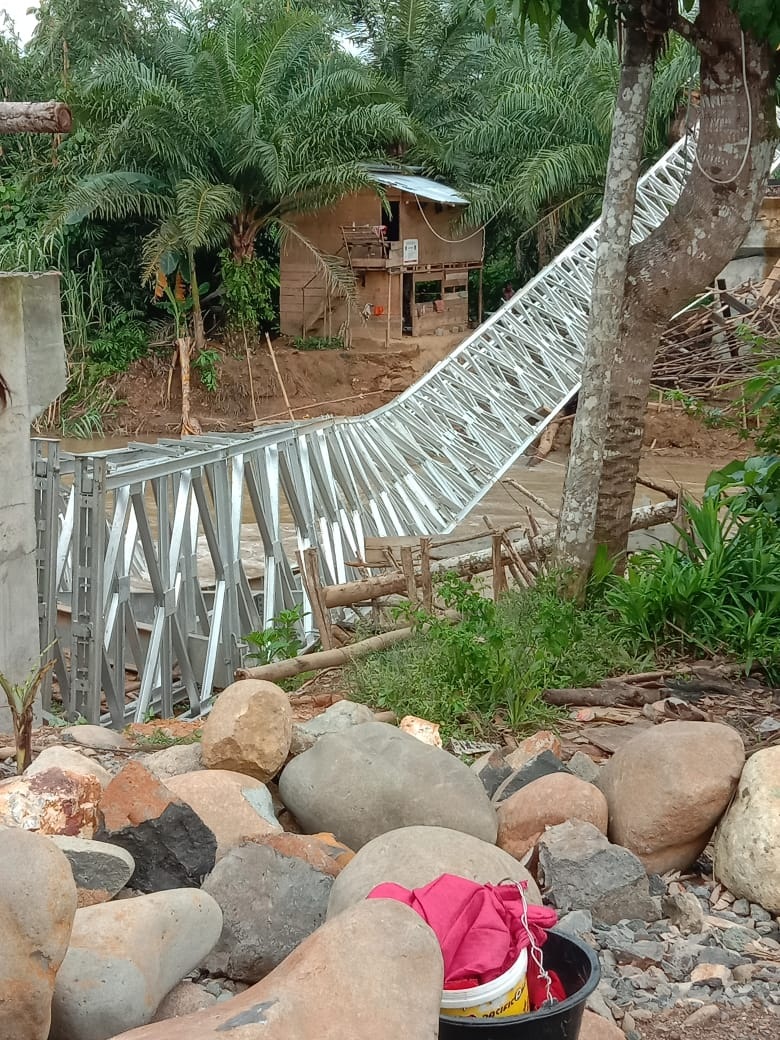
(479, 927)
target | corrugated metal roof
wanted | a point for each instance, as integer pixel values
(420, 186)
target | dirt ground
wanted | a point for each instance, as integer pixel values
(751, 1024)
(334, 382)
(317, 382)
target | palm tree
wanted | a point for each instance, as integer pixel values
(434, 52)
(533, 148)
(265, 107)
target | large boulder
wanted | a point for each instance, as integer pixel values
(415, 856)
(249, 729)
(100, 870)
(374, 778)
(376, 971)
(270, 903)
(233, 805)
(580, 870)
(125, 956)
(171, 845)
(747, 842)
(53, 801)
(543, 803)
(668, 787)
(37, 905)
(71, 761)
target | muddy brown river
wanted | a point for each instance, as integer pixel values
(503, 505)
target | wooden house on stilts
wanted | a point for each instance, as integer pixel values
(409, 260)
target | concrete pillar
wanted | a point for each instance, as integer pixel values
(32, 361)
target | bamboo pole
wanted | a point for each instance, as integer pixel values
(509, 482)
(279, 376)
(497, 564)
(407, 565)
(249, 372)
(425, 574)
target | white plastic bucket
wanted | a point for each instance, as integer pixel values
(503, 997)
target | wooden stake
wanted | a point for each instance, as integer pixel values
(425, 574)
(279, 376)
(249, 371)
(310, 573)
(407, 565)
(499, 577)
(479, 299)
(389, 300)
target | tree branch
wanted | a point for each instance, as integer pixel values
(690, 32)
(34, 117)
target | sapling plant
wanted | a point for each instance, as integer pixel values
(21, 700)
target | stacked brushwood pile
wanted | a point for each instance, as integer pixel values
(719, 339)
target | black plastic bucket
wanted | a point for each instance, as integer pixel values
(577, 967)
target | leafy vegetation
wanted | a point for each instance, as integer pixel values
(490, 668)
(715, 592)
(201, 132)
(21, 699)
(207, 366)
(318, 343)
(280, 641)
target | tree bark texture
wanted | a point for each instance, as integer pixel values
(575, 546)
(691, 247)
(34, 117)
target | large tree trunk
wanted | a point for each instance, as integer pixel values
(690, 248)
(34, 117)
(575, 546)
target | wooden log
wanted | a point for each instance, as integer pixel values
(476, 562)
(613, 695)
(325, 658)
(34, 117)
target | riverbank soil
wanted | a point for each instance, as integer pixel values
(317, 382)
(334, 382)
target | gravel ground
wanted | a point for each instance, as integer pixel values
(712, 1023)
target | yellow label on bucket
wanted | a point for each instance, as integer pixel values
(515, 1002)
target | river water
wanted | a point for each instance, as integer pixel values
(502, 505)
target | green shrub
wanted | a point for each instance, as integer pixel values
(318, 343)
(280, 641)
(248, 290)
(491, 667)
(715, 592)
(206, 364)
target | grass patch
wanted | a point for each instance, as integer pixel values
(488, 671)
